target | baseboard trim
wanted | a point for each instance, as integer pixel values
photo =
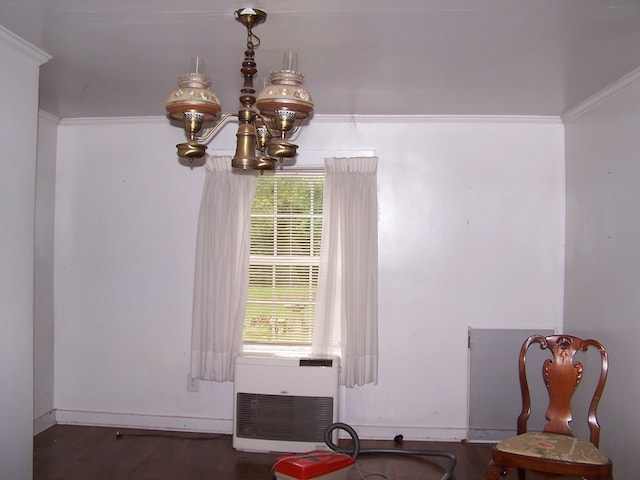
(225, 426)
(44, 421)
(378, 432)
(147, 422)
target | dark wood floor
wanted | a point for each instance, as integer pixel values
(66, 452)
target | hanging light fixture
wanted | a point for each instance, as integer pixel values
(264, 121)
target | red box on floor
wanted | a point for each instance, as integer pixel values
(317, 465)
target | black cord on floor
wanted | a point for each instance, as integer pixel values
(448, 473)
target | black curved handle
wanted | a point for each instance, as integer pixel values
(352, 433)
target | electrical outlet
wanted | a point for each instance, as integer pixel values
(193, 384)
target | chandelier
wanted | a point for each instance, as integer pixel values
(264, 121)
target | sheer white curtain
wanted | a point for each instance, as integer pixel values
(222, 270)
(346, 320)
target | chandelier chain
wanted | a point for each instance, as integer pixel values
(253, 41)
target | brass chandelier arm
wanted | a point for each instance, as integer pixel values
(215, 128)
(266, 122)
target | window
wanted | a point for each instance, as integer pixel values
(286, 229)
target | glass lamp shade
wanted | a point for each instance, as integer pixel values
(285, 93)
(193, 96)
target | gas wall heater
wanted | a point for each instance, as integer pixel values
(284, 404)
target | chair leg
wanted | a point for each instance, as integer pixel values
(494, 471)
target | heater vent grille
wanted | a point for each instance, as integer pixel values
(283, 417)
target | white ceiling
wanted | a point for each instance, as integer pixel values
(367, 57)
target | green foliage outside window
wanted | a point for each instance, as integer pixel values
(286, 229)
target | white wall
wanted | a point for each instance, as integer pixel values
(18, 124)
(471, 234)
(43, 406)
(602, 253)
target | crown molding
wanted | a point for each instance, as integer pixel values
(156, 119)
(348, 118)
(601, 96)
(437, 118)
(48, 116)
(14, 42)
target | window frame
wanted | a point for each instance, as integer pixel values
(312, 260)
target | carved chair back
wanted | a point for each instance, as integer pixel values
(562, 374)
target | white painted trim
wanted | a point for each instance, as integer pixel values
(148, 422)
(49, 116)
(28, 50)
(431, 434)
(114, 120)
(602, 95)
(225, 426)
(44, 421)
(350, 118)
(437, 119)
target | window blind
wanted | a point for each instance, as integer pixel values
(286, 230)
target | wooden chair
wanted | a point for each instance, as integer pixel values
(555, 451)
